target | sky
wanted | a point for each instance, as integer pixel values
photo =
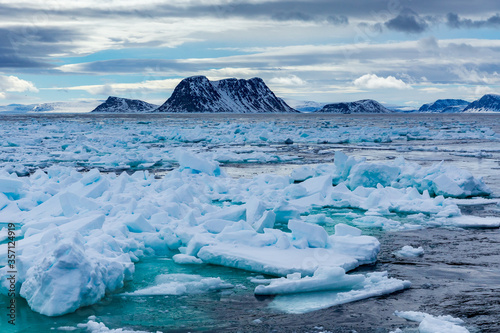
(399, 52)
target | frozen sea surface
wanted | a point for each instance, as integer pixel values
(456, 275)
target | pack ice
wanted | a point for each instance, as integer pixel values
(82, 232)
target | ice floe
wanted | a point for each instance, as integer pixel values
(93, 326)
(434, 324)
(81, 232)
(371, 285)
(182, 284)
(409, 251)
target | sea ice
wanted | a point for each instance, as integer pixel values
(182, 284)
(82, 232)
(432, 324)
(373, 284)
(408, 252)
(92, 326)
(331, 278)
(439, 179)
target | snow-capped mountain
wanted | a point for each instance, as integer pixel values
(124, 105)
(305, 106)
(198, 94)
(445, 106)
(487, 103)
(362, 106)
(67, 107)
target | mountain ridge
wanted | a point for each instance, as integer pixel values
(197, 94)
(124, 105)
(361, 106)
(445, 106)
(487, 103)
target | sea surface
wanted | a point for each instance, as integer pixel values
(459, 274)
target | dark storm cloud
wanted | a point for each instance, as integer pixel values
(282, 10)
(407, 21)
(28, 47)
(455, 21)
(292, 16)
(337, 19)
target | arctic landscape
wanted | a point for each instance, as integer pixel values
(185, 216)
(284, 166)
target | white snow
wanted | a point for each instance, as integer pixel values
(432, 324)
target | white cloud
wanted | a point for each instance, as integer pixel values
(372, 81)
(483, 90)
(149, 86)
(291, 80)
(475, 76)
(14, 84)
(476, 92)
(433, 90)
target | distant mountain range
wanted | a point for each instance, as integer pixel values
(362, 106)
(305, 106)
(198, 94)
(445, 106)
(63, 107)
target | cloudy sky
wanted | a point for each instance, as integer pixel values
(403, 52)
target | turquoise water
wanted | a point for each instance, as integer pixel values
(166, 312)
(151, 313)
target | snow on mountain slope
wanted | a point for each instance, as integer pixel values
(67, 107)
(305, 106)
(445, 106)
(487, 103)
(124, 105)
(362, 106)
(198, 94)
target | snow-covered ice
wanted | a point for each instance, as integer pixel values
(434, 324)
(82, 231)
(373, 284)
(93, 326)
(182, 284)
(409, 251)
(331, 278)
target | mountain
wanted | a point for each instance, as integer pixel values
(487, 103)
(124, 105)
(362, 106)
(305, 106)
(68, 107)
(445, 106)
(198, 94)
